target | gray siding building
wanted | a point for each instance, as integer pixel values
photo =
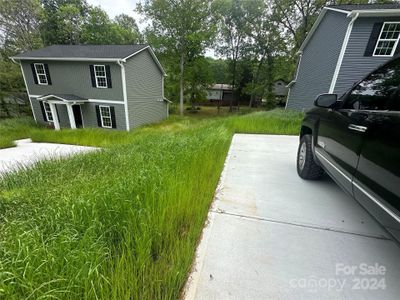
(345, 44)
(108, 86)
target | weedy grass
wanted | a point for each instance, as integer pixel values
(120, 223)
(13, 129)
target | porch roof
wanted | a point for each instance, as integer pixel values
(63, 97)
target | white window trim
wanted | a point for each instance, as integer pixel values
(37, 75)
(101, 116)
(47, 112)
(389, 40)
(105, 77)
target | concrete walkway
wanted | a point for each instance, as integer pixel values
(272, 235)
(27, 153)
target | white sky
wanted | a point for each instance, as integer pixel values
(116, 7)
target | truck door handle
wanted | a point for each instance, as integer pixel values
(357, 128)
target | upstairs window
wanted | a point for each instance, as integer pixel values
(100, 75)
(41, 74)
(388, 39)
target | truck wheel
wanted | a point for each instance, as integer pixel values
(307, 168)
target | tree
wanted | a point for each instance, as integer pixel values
(234, 27)
(19, 25)
(198, 77)
(62, 21)
(183, 28)
(71, 21)
(129, 29)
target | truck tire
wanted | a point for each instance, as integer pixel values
(307, 168)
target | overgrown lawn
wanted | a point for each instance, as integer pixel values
(120, 223)
(14, 129)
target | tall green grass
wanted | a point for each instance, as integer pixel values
(270, 122)
(120, 223)
(13, 129)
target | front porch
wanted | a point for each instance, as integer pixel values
(73, 106)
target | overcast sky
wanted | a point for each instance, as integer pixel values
(116, 7)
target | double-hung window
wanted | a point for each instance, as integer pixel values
(100, 75)
(388, 39)
(47, 111)
(105, 115)
(41, 74)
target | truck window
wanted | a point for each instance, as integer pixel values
(376, 91)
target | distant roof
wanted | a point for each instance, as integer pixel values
(84, 51)
(220, 86)
(350, 7)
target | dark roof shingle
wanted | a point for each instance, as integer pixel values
(84, 51)
(350, 7)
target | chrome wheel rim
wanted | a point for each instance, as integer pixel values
(302, 156)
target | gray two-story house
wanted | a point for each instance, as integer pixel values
(108, 86)
(344, 45)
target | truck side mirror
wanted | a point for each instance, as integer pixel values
(325, 100)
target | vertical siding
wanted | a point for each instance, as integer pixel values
(73, 77)
(144, 90)
(318, 61)
(355, 65)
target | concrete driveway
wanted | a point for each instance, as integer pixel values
(27, 153)
(272, 235)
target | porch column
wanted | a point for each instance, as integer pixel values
(55, 116)
(71, 116)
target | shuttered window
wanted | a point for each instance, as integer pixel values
(105, 115)
(100, 75)
(41, 74)
(388, 39)
(47, 111)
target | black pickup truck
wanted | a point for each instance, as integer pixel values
(356, 140)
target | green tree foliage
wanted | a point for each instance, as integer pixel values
(234, 27)
(19, 25)
(62, 21)
(198, 78)
(180, 29)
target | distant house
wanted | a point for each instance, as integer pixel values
(107, 86)
(344, 45)
(280, 91)
(220, 93)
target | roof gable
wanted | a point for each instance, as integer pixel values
(354, 10)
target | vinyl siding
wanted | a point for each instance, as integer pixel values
(144, 90)
(90, 117)
(318, 61)
(88, 113)
(355, 65)
(69, 77)
(61, 110)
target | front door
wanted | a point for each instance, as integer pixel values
(77, 115)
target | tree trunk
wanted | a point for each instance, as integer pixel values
(181, 84)
(270, 78)
(255, 78)
(233, 86)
